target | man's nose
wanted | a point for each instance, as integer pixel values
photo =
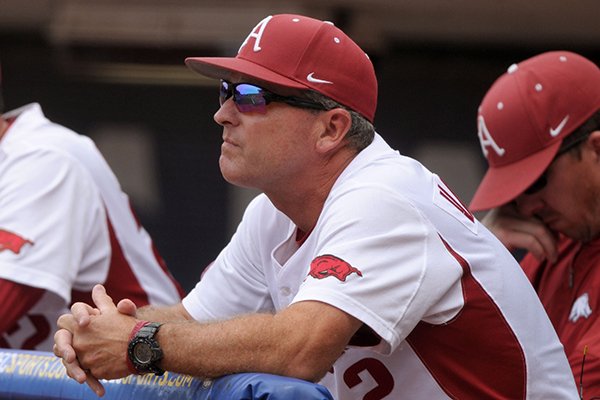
(226, 113)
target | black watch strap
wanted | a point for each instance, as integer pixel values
(144, 351)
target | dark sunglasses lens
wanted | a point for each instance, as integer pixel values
(538, 185)
(224, 92)
(250, 98)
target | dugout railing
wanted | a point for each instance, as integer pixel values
(41, 375)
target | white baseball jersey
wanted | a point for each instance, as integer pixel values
(65, 225)
(393, 247)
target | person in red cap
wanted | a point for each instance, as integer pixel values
(356, 267)
(539, 129)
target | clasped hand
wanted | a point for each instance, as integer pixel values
(92, 342)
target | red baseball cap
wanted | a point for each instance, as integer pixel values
(299, 52)
(524, 117)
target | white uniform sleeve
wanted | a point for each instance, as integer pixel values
(406, 274)
(48, 199)
(235, 283)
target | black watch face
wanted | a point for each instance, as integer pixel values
(142, 352)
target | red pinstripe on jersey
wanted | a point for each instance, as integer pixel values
(121, 282)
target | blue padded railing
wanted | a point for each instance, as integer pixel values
(41, 375)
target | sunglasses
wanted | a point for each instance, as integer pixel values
(542, 181)
(252, 98)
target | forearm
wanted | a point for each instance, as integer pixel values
(290, 343)
(302, 341)
(163, 314)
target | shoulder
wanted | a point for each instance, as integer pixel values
(36, 146)
(42, 174)
(32, 132)
(39, 162)
(387, 181)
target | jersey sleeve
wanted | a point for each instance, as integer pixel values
(235, 282)
(51, 208)
(388, 266)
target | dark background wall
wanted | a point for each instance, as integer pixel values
(431, 81)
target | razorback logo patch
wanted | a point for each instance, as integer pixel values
(328, 265)
(581, 308)
(11, 241)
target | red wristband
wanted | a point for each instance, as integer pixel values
(134, 331)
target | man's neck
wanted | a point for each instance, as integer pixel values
(303, 203)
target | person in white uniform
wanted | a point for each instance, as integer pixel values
(356, 267)
(65, 225)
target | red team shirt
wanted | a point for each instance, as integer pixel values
(65, 225)
(453, 313)
(569, 291)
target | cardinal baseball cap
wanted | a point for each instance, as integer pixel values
(525, 116)
(299, 52)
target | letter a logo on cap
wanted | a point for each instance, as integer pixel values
(256, 33)
(485, 138)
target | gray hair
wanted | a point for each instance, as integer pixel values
(361, 131)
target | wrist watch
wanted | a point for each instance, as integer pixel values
(144, 352)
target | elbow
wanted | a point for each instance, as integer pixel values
(305, 372)
(309, 368)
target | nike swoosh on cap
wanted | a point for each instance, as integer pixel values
(312, 79)
(556, 131)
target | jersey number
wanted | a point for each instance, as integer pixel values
(381, 375)
(39, 328)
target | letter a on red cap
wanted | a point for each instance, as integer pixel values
(486, 139)
(256, 33)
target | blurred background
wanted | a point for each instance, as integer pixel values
(113, 70)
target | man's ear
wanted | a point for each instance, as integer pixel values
(594, 141)
(336, 124)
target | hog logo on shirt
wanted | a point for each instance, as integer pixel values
(581, 308)
(12, 241)
(328, 265)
